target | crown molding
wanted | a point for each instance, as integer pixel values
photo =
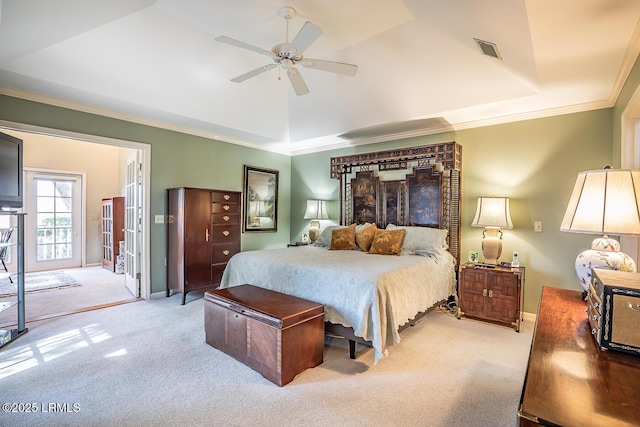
(56, 102)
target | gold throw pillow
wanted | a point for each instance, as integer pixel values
(365, 238)
(343, 238)
(387, 242)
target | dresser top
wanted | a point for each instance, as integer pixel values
(569, 381)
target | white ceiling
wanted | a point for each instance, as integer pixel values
(157, 62)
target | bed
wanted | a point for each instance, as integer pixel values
(393, 257)
(372, 294)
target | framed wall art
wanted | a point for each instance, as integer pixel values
(260, 209)
(424, 198)
(391, 197)
(364, 193)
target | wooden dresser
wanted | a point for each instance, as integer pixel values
(569, 381)
(203, 233)
(492, 294)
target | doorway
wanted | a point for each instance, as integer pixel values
(65, 236)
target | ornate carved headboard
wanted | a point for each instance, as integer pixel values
(417, 186)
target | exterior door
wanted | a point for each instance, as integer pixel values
(132, 225)
(53, 231)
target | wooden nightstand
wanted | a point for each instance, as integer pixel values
(296, 244)
(492, 294)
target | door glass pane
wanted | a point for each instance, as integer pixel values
(54, 219)
(45, 188)
(63, 204)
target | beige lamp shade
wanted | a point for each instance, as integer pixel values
(492, 213)
(604, 202)
(316, 210)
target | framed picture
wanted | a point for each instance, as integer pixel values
(364, 194)
(474, 256)
(391, 196)
(260, 209)
(424, 198)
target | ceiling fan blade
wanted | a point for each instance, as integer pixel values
(238, 43)
(297, 82)
(330, 66)
(253, 73)
(306, 36)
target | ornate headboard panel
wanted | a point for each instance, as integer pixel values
(417, 186)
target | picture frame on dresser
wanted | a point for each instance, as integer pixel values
(260, 207)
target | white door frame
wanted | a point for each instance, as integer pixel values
(145, 150)
(630, 159)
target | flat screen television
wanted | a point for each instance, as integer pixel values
(11, 185)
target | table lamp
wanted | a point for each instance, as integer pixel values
(604, 201)
(492, 213)
(316, 210)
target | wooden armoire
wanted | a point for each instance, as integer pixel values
(112, 230)
(203, 233)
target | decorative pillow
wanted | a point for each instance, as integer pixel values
(431, 240)
(325, 237)
(387, 242)
(343, 238)
(361, 227)
(365, 237)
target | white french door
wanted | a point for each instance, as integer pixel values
(53, 231)
(133, 224)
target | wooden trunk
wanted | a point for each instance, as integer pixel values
(275, 334)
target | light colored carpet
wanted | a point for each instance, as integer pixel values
(146, 363)
(99, 286)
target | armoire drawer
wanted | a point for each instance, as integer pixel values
(224, 252)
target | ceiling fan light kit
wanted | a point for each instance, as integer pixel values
(288, 55)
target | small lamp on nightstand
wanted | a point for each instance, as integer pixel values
(316, 210)
(492, 213)
(605, 201)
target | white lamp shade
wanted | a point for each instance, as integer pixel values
(316, 209)
(604, 202)
(492, 212)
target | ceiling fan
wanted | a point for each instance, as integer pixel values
(288, 55)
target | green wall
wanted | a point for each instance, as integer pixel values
(176, 160)
(534, 162)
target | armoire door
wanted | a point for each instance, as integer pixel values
(197, 250)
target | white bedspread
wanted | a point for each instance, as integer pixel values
(373, 294)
